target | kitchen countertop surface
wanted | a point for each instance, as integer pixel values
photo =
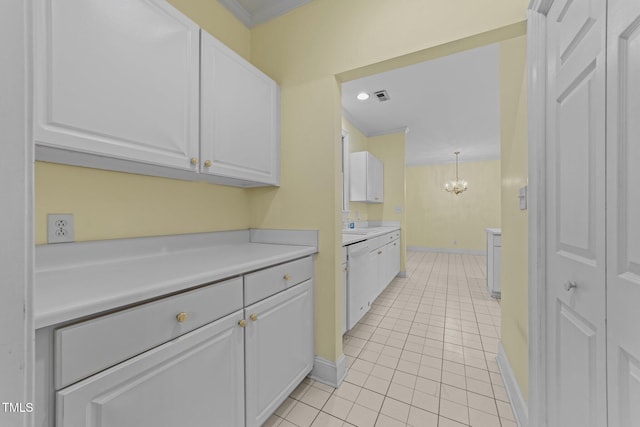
(83, 288)
(355, 235)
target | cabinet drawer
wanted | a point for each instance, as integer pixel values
(270, 281)
(91, 346)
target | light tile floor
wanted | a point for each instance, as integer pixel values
(423, 356)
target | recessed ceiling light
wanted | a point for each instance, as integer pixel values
(363, 96)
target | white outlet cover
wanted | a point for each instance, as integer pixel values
(60, 228)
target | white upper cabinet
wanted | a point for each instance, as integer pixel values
(136, 86)
(118, 80)
(366, 177)
(240, 122)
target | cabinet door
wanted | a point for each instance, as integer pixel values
(359, 279)
(240, 121)
(378, 268)
(393, 260)
(345, 299)
(115, 79)
(375, 180)
(279, 349)
(194, 380)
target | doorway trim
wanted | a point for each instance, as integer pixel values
(537, 87)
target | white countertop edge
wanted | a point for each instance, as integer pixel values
(373, 232)
(62, 294)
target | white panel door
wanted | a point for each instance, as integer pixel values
(279, 349)
(117, 79)
(240, 117)
(623, 212)
(194, 380)
(575, 167)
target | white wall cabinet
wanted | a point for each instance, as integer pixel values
(366, 178)
(279, 349)
(240, 132)
(138, 87)
(115, 80)
(195, 380)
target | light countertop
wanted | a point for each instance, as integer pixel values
(82, 287)
(356, 235)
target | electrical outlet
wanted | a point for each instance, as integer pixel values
(60, 228)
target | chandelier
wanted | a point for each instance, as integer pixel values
(459, 185)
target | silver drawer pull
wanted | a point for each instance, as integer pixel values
(568, 285)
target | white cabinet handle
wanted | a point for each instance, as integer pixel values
(568, 285)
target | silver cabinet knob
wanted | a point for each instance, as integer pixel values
(568, 285)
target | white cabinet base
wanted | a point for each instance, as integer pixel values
(279, 349)
(190, 381)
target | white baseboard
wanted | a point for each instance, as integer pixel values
(518, 404)
(328, 372)
(447, 250)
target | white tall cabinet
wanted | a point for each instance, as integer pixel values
(366, 178)
(136, 86)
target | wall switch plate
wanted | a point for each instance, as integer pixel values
(522, 195)
(60, 228)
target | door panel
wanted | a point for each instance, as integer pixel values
(194, 380)
(577, 356)
(574, 169)
(279, 349)
(117, 79)
(575, 161)
(623, 206)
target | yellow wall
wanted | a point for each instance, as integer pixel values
(357, 142)
(304, 51)
(513, 98)
(438, 219)
(391, 150)
(110, 205)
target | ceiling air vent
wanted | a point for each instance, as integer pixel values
(382, 95)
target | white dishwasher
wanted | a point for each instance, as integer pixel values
(358, 277)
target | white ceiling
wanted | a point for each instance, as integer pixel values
(255, 12)
(446, 104)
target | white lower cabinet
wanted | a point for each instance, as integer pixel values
(194, 380)
(392, 260)
(199, 358)
(378, 276)
(372, 265)
(279, 346)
